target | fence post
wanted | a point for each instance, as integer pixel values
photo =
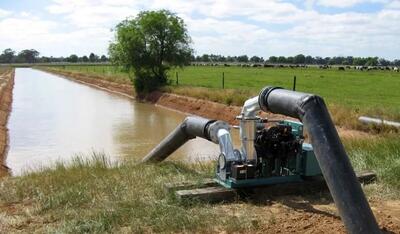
(177, 78)
(294, 83)
(223, 80)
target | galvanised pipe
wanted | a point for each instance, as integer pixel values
(190, 128)
(335, 164)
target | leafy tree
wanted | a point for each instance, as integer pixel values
(299, 59)
(372, 61)
(7, 56)
(85, 59)
(243, 58)
(73, 58)
(281, 59)
(205, 58)
(383, 62)
(149, 45)
(255, 59)
(27, 56)
(103, 58)
(309, 60)
(93, 58)
(273, 59)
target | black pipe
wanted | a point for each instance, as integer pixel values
(190, 128)
(335, 164)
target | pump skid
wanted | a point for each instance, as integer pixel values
(275, 153)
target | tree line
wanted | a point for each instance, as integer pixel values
(298, 59)
(32, 56)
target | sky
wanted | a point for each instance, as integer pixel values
(264, 28)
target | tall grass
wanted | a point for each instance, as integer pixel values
(96, 196)
(99, 196)
(381, 154)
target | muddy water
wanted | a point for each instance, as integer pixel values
(55, 119)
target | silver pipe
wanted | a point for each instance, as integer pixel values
(369, 120)
(225, 144)
(190, 128)
(248, 128)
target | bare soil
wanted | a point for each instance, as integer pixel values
(287, 214)
(6, 86)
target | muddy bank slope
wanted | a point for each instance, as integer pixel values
(6, 86)
(187, 105)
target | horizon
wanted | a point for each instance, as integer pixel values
(359, 28)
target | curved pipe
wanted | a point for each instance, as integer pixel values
(329, 151)
(190, 128)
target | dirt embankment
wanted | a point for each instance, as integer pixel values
(6, 86)
(187, 105)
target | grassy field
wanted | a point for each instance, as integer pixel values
(95, 196)
(351, 88)
(349, 93)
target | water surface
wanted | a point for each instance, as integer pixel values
(55, 119)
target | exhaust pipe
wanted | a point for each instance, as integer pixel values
(335, 164)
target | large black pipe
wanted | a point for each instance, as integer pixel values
(335, 164)
(190, 128)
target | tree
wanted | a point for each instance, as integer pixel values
(255, 59)
(93, 58)
(299, 59)
(149, 45)
(281, 59)
(73, 58)
(103, 58)
(85, 59)
(243, 58)
(7, 56)
(28, 56)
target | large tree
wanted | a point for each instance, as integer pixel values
(149, 45)
(28, 56)
(7, 56)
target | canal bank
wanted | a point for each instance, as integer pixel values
(184, 104)
(6, 87)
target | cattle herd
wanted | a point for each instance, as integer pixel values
(340, 68)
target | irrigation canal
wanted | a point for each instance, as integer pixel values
(56, 119)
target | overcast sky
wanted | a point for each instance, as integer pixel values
(228, 27)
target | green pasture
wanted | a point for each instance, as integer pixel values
(369, 92)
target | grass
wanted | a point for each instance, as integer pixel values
(98, 196)
(349, 93)
(95, 196)
(380, 154)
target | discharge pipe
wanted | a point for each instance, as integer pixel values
(335, 165)
(192, 127)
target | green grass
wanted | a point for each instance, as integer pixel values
(349, 93)
(358, 90)
(381, 154)
(98, 196)
(95, 196)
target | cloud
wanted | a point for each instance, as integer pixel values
(90, 13)
(232, 27)
(4, 13)
(346, 3)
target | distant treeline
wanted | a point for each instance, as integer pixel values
(298, 59)
(32, 56)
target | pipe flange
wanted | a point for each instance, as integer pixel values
(262, 97)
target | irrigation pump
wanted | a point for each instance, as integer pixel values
(275, 152)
